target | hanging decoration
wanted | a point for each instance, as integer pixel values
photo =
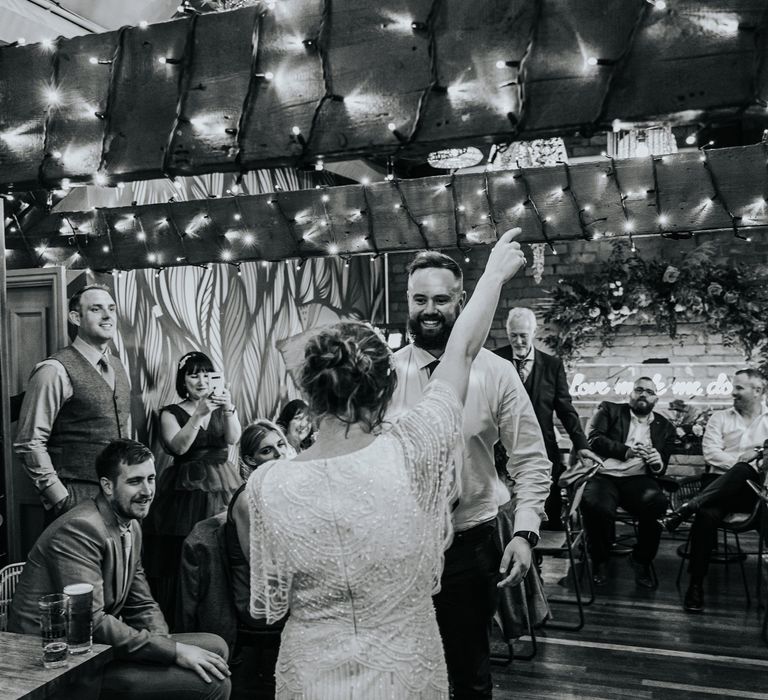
(455, 158)
(641, 143)
(537, 264)
(528, 154)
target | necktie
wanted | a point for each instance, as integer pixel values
(127, 542)
(520, 367)
(432, 366)
(106, 371)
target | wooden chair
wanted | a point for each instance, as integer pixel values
(9, 576)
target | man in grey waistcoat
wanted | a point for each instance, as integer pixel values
(77, 401)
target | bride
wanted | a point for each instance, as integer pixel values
(349, 535)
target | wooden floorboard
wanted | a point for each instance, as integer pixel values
(642, 644)
(636, 644)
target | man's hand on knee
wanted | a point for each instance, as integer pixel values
(201, 661)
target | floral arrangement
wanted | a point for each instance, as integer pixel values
(730, 299)
(689, 422)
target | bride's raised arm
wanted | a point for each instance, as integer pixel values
(472, 325)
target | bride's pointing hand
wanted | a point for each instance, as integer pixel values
(506, 257)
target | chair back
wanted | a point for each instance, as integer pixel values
(9, 576)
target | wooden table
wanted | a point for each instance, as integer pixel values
(22, 674)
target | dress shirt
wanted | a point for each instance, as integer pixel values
(497, 407)
(639, 434)
(48, 390)
(728, 435)
(526, 363)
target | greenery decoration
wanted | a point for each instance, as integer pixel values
(731, 299)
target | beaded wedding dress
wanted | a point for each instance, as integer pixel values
(353, 546)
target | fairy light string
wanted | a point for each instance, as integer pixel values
(321, 43)
(618, 65)
(404, 205)
(52, 95)
(432, 86)
(455, 201)
(585, 233)
(489, 201)
(522, 72)
(623, 201)
(254, 82)
(106, 116)
(719, 196)
(371, 237)
(182, 83)
(529, 200)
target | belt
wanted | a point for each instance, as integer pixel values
(476, 533)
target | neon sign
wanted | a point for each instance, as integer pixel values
(671, 386)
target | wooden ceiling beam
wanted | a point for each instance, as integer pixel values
(672, 195)
(289, 82)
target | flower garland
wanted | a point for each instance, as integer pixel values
(729, 299)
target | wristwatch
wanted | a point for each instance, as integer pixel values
(530, 537)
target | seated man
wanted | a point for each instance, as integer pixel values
(733, 436)
(99, 542)
(635, 444)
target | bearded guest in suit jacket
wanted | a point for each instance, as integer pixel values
(635, 443)
(544, 379)
(99, 542)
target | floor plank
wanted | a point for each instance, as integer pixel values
(641, 644)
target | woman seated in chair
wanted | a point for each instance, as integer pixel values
(261, 442)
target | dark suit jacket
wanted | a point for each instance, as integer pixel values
(609, 428)
(548, 388)
(83, 546)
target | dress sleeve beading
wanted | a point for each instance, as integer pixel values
(270, 573)
(431, 438)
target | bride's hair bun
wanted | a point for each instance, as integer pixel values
(347, 373)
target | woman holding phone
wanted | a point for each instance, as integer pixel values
(197, 432)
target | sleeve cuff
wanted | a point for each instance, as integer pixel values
(53, 494)
(527, 519)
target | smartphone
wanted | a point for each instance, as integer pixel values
(216, 383)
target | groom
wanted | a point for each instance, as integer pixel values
(497, 408)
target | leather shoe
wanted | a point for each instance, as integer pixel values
(676, 518)
(599, 574)
(694, 598)
(643, 575)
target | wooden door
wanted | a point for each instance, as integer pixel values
(36, 326)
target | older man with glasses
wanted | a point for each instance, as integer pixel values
(635, 443)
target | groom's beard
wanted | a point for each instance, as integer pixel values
(430, 331)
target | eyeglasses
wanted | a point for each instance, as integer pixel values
(640, 390)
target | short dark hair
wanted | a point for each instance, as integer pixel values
(74, 300)
(119, 452)
(643, 379)
(753, 374)
(191, 363)
(432, 258)
(289, 412)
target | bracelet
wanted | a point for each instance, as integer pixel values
(230, 413)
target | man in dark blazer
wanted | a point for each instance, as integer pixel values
(544, 379)
(99, 542)
(635, 443)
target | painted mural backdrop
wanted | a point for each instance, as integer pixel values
(236, 318)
